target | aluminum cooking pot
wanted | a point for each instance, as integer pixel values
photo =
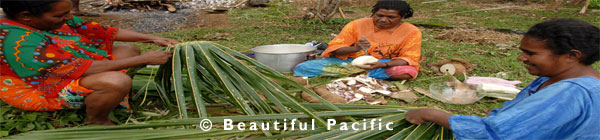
(282, 57)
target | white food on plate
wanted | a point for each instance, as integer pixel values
(362, 61)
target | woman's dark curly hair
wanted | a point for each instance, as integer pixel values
(36, 7)
(563, 35)
(399, 5)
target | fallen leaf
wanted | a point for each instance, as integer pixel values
(380, 101)
(424, 92)
(405, 95)
(367, 96)
(400, 86)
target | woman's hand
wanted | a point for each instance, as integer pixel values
(363, 43)
(131, 36)
(165, 42)
(420, 116)
(156, 57)
(149, 58)
(374, 65)
(417, 116)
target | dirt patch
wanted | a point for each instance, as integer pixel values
(344, 3)
(156, 21)
(482, 4)
(348, 6)
(302, 13)
(474, 5)
(478, 36)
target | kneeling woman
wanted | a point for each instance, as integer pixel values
(384, 36)
(52, 60)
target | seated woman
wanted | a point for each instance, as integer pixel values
(563, 103)
(52, 60)
(384, 36)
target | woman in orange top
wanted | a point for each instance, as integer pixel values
(384, 36)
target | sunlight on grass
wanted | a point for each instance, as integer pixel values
(512, 16)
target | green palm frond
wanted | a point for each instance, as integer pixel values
(169, 128)
(216, 68)
(206, 72)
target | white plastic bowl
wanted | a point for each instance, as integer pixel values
(443, 92)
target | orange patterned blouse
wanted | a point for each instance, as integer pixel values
(404, 42)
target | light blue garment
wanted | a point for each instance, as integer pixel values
(313, 68)
(568, 109)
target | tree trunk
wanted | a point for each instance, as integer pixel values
(326, 9)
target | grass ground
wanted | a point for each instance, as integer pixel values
(274, 25)
(252, 27)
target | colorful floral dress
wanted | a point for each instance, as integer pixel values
(39, 68)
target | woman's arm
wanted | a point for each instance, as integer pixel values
(149, 58)
(396, 62)
(346, 50)
(420, 116)
(361, 44)
(131, 36)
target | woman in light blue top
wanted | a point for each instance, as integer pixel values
(563, 103)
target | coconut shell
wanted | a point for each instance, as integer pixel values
(461, 65)
(362, 61)
(460, 68)
(468, 66)
(448, 68)
(454, 68)
(436, 69)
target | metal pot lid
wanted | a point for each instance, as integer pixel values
(284, 48)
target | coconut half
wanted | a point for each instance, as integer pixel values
(362, 61)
